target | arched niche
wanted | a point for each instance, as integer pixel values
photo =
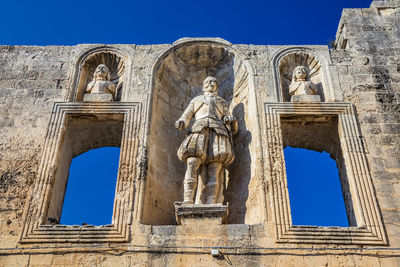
(177, 77)
(289, 62)
(316, 60)
(87, 63)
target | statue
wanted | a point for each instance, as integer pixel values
(100, 86)
(207, 149)
(301, 84)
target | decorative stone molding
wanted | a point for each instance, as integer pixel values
(36, 228)
(368, 228)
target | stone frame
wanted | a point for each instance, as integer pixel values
(370, 229)
(33, 230)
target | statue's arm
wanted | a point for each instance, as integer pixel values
(187, 115)
(292, 88)
(226, 115)
(313, 87)
(90, 86)
(230, 120)
(111, 87)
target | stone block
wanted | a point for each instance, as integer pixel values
(41, 260)
(305, 98)
(97, 98)
(200, 214)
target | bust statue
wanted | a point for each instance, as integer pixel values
(100, 86)
(301, 84)
(207, 148)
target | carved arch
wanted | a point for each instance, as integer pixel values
(176, 77)
(283, 63)
(85, 64)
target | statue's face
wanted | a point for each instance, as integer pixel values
(101, 72)
(210, 84)
(300, 72)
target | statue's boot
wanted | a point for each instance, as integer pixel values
(189, 189)
(210, 194)
(212, 186)
(190, 182)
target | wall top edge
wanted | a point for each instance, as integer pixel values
(4, 47)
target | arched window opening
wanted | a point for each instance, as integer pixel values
(89, 196)
(314, 188)
(310, 175)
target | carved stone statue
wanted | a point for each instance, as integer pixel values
(100, 88)
(207, 148)
(302, 86)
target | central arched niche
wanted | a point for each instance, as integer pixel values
(177, 79)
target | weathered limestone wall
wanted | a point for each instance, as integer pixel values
(363, 69)
(369, 72)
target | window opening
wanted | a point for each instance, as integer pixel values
(314, 188)
(82, 133)
(90, 192)
(316, 133)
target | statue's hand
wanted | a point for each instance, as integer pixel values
(180, 125)
(228, 119)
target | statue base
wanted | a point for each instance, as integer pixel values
(305, 98)
(215, 214)
(97, 97)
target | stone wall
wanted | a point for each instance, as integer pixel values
(41, 116)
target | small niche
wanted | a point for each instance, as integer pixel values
(114, 63)
(286, 68)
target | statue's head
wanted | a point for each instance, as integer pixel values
(101, 73)
(210, 84)
(300, 73)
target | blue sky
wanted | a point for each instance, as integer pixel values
(91, 187)
(151, 22)
(265, 22)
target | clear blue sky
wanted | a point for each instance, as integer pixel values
(153, 22)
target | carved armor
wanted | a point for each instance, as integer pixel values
(209, 138)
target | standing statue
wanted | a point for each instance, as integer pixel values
(207, 148)
(301, 84)
(101, 84)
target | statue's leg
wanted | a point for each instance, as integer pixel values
(211, 188)
(220, 194)
(190, 182)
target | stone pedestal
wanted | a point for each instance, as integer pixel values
(305, 98)
(211, 214)
(97, 97)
